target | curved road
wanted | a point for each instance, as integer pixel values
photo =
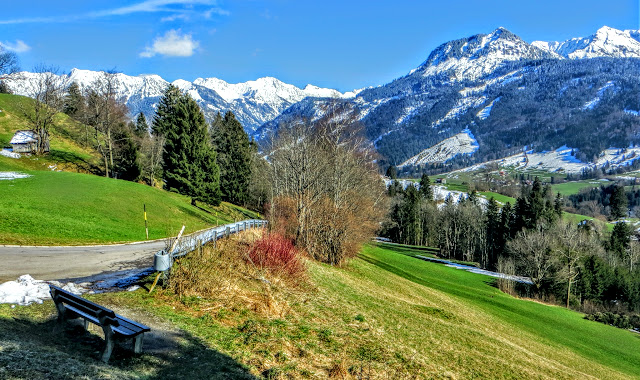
(54, 263)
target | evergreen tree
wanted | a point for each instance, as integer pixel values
(425, 188)
(234, 156)
(392, 172)
(557, 205)
(141, 126)
(620, 238)
(189, 165)
(164, 112)
(127, 164)
(73, 101)
(618, 202)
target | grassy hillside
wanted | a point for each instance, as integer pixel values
(53, 207)
(71, 208)
(68, 146)
(385, 315)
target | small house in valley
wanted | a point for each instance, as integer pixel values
(26, 141)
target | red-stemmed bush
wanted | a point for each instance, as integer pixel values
(278, 254)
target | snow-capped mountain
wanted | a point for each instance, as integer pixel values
(254, 102)
(479, 55)
(606, 42)
(508, 92)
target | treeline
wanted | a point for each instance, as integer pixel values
(178, 150)
(577, 264)
(612, 201)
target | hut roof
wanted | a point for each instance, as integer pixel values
(24, 137)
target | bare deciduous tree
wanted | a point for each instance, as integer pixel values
(324, 171)
(572, 245)
(46, 89)
(533, 253)
(106, 113)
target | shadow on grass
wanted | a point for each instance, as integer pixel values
(35, 350)
(408, 250)
(190, 210)
(73, 159)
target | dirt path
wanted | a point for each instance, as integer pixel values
(53, 263)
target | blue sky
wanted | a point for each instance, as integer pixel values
(338, 44)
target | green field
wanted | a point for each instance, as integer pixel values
(570, 188)
(71, 208)
(385, 315)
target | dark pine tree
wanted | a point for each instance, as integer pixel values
(189, 161)
(234, 152)
(141, 126)
(126, 164)
(163, 119)
(392, 172)
(618, 202)
(425, 187)
(73, 101)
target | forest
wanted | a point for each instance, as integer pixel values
(578, 265)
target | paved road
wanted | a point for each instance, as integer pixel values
(53, 263)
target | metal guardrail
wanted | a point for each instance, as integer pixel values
(162, 261)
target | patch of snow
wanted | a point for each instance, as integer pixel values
(592, 103)
(486, 111)
(632, 112)
(468, 268)
(9, 153)
(27, 290)
(461, 107)
(12, 175)
(462, 143)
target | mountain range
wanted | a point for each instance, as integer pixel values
(253, 102)
(506, 93)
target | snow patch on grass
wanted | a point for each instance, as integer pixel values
(12, 175)
(9, 153)
(27, 290)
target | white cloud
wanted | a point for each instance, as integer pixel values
(18, 47)
(149, 6)
(172, 44)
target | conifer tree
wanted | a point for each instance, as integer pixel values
(163, 119)
(141, 126)
(73, 101)
(425, 188)
(234, 155)
(189, 162)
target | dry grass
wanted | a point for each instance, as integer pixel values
(222, 276)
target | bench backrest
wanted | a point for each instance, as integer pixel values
(104, 315)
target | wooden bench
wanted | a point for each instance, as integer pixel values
(71, 306)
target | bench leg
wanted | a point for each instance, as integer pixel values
(109, 343)
(108, 349)
(137, 347)
(86, 324)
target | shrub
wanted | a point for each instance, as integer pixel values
(276, 253)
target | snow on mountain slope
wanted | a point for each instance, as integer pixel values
(462, 143)
(484, 113)
(479, 55)
(594, 102)
(606, 42)
(254, 102)
(562, 160)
